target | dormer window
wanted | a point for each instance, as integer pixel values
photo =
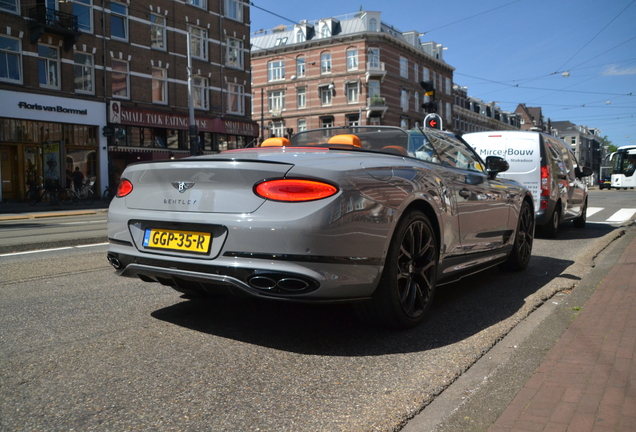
(325, 31)
(281, 41)
(373, 25)
(300, 36)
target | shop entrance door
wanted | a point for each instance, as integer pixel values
(9, 169)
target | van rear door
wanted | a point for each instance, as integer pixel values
(522, 152)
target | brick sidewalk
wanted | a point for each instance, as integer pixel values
(588, 380)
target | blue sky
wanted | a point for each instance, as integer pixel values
(515, 51)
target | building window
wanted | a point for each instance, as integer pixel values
(353, 92)
(300, 36)
(404, 67)
(84, 73)
(158, 31)
(448, 112)
(325, 63)
(325, 31)
(118, 20)
(203, 4)
(276, 70)
(10, 5)
(235, 99)
(326, 122)
(200, 93)
(120, 79)
(373, 25)
(235, 53)
(404, 99)
(302, 125)
(352, 59)
(159, 85)
(301, 97)
(277, 129)
(49, 66)
(426, 74)
(10, 60)
(276, 100)
(448, 86)
(416, 70)
(326, 96)
(374, 58)
(198, 42)
(416, 101)
(234, 10)
(83, 10)
(374, 89)
(300, 66)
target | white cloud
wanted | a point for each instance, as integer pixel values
(613, 70)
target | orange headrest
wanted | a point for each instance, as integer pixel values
(346, 139)
(275, 142)
(395, 150)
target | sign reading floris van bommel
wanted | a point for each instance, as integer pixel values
(58, 108)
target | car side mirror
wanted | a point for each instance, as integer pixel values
(583, 172)
(495, 165)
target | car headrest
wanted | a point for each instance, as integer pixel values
(345, 139)
(276, 142)
(395, 150)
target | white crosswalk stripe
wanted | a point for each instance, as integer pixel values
(622, 215)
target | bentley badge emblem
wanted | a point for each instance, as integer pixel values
(182, 186)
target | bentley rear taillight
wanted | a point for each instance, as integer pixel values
(294, 190)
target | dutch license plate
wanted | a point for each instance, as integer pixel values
(189, 241)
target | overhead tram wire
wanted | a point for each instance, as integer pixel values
(595, 36)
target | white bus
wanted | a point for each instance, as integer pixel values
(623, 163)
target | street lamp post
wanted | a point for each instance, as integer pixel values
(194, 133)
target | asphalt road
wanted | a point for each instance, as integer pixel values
(82, 349)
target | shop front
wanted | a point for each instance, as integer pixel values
(46, 138)
(146, 135)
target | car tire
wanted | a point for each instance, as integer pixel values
(551, 229)
(580, 221)
(524, 238)
(407, 285)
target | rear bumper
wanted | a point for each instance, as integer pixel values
(308, 281)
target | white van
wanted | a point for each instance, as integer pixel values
(547, 167)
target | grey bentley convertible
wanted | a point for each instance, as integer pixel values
(376, 216)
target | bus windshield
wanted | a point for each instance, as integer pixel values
(624, 162)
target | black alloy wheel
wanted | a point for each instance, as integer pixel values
(524, 239)
(407, 286)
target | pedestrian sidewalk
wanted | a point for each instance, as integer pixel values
(587, 382)
(22, 210)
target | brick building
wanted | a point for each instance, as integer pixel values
(72, 71)
(345, 70)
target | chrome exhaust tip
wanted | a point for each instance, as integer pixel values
(112, 260)
(292, 284)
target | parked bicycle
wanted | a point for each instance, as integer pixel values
(85, 194)
(50, 192)
(108, 194)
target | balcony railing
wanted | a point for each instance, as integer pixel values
(45, 20)
(375, 70)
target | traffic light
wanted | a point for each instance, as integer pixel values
(430, 107)
(429, 90)
(433, 121)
